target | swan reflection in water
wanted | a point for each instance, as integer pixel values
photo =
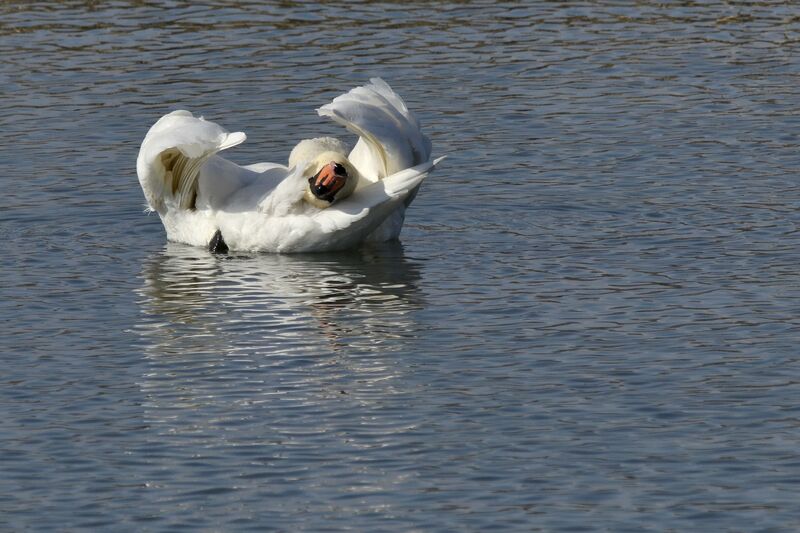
(359, 296)
(272, 371)
(347, 311)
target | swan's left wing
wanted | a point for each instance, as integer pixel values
(171, 155)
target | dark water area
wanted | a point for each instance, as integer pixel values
(591, 321)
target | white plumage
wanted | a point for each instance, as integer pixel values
(269, 206)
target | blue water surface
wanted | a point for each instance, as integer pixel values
(591, 322)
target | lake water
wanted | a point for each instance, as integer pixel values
(591, 323)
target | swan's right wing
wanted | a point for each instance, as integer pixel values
(390, 137)
(171, 156)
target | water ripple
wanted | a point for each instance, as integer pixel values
(592, 320)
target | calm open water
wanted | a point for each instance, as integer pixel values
(592, 322)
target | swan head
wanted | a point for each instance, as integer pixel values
(331, 177)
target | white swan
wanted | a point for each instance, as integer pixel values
(323, 200)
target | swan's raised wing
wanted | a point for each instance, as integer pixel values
(390, 138)
(171, 156)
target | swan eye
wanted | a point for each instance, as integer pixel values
(339, 170)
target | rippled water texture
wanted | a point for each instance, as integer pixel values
(592, 321)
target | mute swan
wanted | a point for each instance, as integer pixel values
(324, 200)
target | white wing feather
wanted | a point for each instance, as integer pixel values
(287, 194)
(390, 138)
(172, 153)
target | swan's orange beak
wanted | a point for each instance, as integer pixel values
(328, 181)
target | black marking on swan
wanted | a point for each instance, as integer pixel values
(217, 244)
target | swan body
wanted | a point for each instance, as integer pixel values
(327, 198)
